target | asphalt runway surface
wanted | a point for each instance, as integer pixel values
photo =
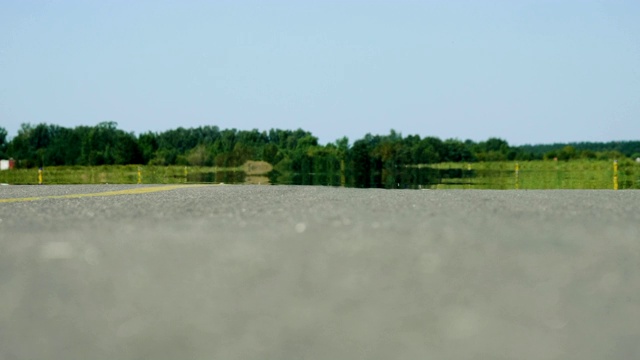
(283, 272)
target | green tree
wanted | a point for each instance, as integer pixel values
(567, 153)
(24, 147)
(493, 149)
(104, 144)
(148, 145)
(3, 142)
(64, 147)
(456, 151)
(200, 156)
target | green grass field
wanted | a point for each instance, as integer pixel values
(95, 175)
(576, 174)
(133, 174)
(109, 174)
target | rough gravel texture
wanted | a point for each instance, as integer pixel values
(279, 272)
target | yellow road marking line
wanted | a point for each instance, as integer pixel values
(135, 191)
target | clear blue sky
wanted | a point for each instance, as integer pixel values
(528, 71)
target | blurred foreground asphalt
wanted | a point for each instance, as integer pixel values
(279, 272)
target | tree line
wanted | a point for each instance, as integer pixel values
(290, 150)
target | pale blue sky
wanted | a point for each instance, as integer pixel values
(530, 71)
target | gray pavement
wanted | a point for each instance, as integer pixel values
(279, 272)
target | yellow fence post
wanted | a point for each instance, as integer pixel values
(186, 173)
(615, 174)
(139, 175)
(517, 176)
(40, 181)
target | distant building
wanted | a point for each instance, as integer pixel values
(7, 164)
